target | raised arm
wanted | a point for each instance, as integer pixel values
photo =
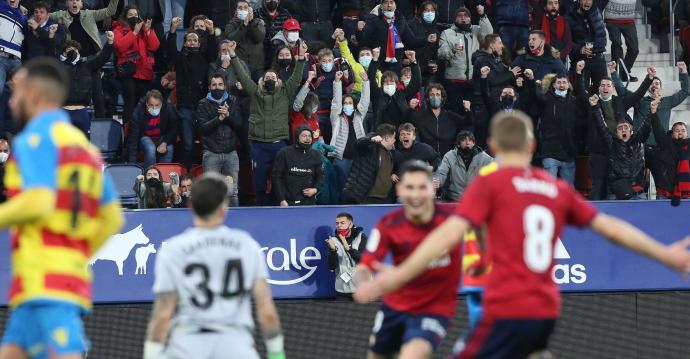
(416, 81)
(634, 98)
(108, 12)
(242, 74)
(680, 96)
(365, 98)
(296, 78)
(298, 103)
(337, 101)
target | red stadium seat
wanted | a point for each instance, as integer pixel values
(197, 170)
(166, 168)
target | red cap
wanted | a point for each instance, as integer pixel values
(291, 25)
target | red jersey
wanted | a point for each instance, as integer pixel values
(435, 290)
(525, 210)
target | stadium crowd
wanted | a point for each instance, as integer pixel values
(302, 102)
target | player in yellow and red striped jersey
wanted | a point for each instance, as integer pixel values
(62, 208)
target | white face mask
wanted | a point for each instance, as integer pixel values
(389, 90)
(389, 14)
(293, 36)
(365, 60)
(154, 111)
(4, 156)
(225, 57)
(242, 14)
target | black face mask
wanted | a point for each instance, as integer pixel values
(506, 100)
(153, 182)
(270, 85)
(553, 13)
(191, 50)
(132, 21)
(217, 94)
(272, 5)
(202, 34)
(71, 55)
(283, 63)
(304, 146)
(466, 152)
(464, 27)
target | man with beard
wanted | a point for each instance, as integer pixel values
(297, 171)
(555, 28)
(413, 320)
(459, 167)
(539, 57)
(58, 221)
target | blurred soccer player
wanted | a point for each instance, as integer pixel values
(61, 210)
(412, 320)
(525, 210)
(205, 278)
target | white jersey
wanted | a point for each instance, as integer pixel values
(212, 270)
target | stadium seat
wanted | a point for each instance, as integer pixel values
(106, 134)
(123, 176)
(197, 170)
(166, 168)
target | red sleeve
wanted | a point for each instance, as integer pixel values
(377, 247)
(580, 212)
(475, 204)
(152, 42)
(122, 43)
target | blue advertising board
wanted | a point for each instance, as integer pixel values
(293, 241)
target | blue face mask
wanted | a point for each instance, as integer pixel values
(348, 109)
(429, 16)
(314, 109)
(560, 93)
(328, 67)
(365, 61)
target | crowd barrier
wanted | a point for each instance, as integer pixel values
(296, 254)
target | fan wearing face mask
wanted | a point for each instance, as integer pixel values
(347, 119)
(135, 43)
(152, 192)
(248, 31)
(424, 25)
(290, 35)
(459, 167)
(273, 16)
(191, 66)
(297, 171)
(360, 64)
(390, 103)
(560, 117)
(538, 57)
(509, 98)
(304, 110)
(153, 130)
(81, 74)
(269, 111)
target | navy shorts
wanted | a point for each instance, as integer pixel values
(392, 329)
(505, 338)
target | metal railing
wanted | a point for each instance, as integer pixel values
(672, 31)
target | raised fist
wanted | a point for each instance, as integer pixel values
(651, 72)
(175, 23)
(480, 10)
(529, 74)
(339, 35)
(484, 71)
(232, 45)
(312, 75)
(375, 53)
(303, 48)
(432, 38)
(53, 28)
(593, 100)
(612, 66)
(209, 25)
(414, 103)
(411, 55)
(467, 105)
(338, 75)
(580, 66)
(32, 24)
(519, 81)
(682, 67)
(140, 178)
(364, 76)
(654, 105)
(110, 36)
(361, 25)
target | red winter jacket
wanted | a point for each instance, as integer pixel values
(135, 48)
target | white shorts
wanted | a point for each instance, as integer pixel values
(236, 343)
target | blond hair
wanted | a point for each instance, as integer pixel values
(512, 130)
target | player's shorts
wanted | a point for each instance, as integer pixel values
(43, 328)
(185, 343)
(392, 329)
(505, 338)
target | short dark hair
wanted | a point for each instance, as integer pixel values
(197, 18)
(123, 15)
(463, 135)
(489, 40)
(154, 94)
(390, 75)
(208, 194)
(605, 78)
(51, 74)
(344, 215)
(679, 123)
(427, 2)
(41, 5)
(186, 177)
(71, 43)
(216, 75)
(385, 129)
(538, 33)
(414, 166)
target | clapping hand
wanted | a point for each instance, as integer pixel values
(223, 111)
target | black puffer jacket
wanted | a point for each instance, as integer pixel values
(294, 170)
(365, 167)
(191, 69)
(580, 25)
(440, 132)
(80, 76)
(626, 159)
(218, 136)
(662, 160)
(393, 109)
(422, 29)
